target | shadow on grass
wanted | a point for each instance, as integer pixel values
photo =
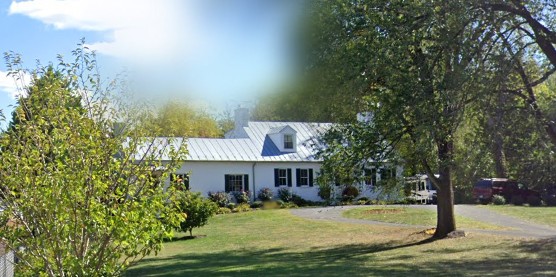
(379, 259)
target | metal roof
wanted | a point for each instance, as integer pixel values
(252, 144)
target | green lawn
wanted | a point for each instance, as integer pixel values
(540, 215)
(413, 216)
(275, 243)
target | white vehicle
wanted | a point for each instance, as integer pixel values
(421, 189)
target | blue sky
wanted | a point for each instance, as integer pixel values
(219, 53)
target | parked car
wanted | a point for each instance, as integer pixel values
(511, 190)
(549, 195)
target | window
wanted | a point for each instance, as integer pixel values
(288, 141)
(282, 177)
(304, 177)
(236, 182)
(370, 176)
(387, 173)
(181, 181)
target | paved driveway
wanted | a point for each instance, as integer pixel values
(519, 228)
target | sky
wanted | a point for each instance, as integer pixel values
(219, 53)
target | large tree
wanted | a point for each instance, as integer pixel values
(418, 65)
(180, 119)
(79, 197)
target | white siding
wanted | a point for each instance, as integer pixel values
(209, 176)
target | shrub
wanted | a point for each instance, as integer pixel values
(366, 199)
(241, 196)
(223, 210)
(299, 201)
(517, 200)
(231, 206)
(257, 205)
(361, 202)
(325, 191)
(270, 205)
(285, 195)
(534, 200)
(288, 205)
(265, 194)
(220, 198)
(349, 193)
(197, 209)
(243, 207)
(498, 200)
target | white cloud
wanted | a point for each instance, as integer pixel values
(134, 29)
(12, 86)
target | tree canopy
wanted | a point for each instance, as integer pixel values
(79, 197)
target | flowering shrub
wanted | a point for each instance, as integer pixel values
(222, 199)
(285, 195)
(241, 196)
(265, 194)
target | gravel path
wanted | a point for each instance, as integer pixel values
(519, 227)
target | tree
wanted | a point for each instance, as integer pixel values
(527, 30)
(78, 197)
(179, 119)
(419, 65)
(198, 210)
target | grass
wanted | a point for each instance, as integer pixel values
(540, 215)
(413, 216)
(276, 243)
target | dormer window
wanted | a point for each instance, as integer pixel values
(288, 141)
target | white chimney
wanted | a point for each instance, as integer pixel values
(241, 118)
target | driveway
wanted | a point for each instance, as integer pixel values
(519, 228)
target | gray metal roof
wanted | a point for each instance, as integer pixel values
(252, 144)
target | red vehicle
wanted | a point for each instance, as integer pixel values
(511, 190)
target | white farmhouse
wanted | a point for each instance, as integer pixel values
(256, 155)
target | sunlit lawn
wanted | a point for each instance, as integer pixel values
(540, 215)
(413, 216)
(276, 243)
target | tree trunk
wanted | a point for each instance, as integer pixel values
(446, 221)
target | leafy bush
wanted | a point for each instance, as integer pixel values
(361, 202)
(349, 193)
(270, 205)
(285, 195)
(498, 200)
(241, 196)
(366, 199)
(197, 209)
(231, 206)
(299, 201)
(265, 194)
(257, 205)
(288, 205)
(325, 191)
(223, 210)
(221, 198)
(534, 200)
(243, 207)
(517, 200)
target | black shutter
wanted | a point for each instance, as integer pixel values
(289, 177)
(227, 183)
(245, 182)
(298, 176)
(311, 177)
(276, 177)
(186, 181)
